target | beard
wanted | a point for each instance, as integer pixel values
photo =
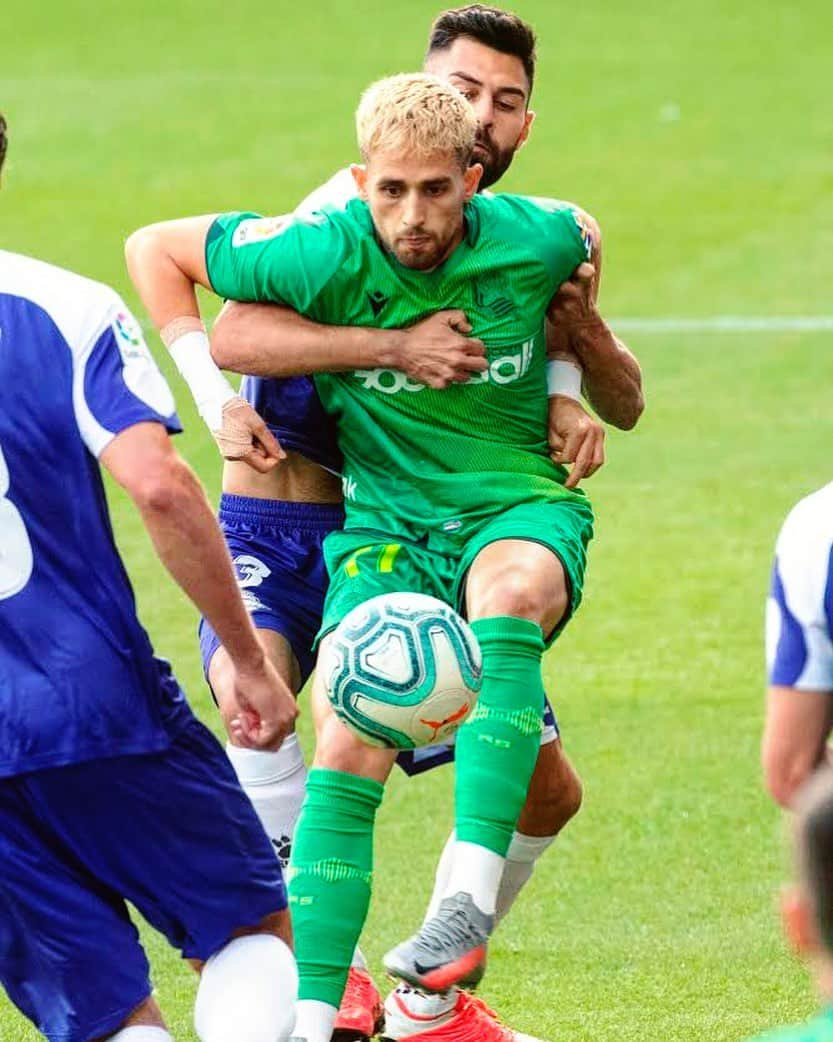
(495, 161)
(425, 256)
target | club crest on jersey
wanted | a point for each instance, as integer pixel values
(251, 571)
(260, 229)
(493, 294)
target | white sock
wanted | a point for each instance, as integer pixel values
(359, 962)
(314, 1021)
(275, 783)
(475, 870)
(441, 877)
(248, 992)
(523, 852)
(141, 1033)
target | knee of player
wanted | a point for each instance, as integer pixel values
(248, 991)
(519, 592)
(339, 749)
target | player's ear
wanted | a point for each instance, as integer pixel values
(359, 173)
(529, 119)
(471, 179)
(797, 919)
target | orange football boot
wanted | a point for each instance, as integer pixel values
(412, 1015)
(360, 1014)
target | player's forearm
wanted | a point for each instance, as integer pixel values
(188, 541)
(165, 262)
(271, 341)
(612, 378)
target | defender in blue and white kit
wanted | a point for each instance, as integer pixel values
(799, 645)
(110, 789)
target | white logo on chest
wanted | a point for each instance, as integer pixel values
(503, 370)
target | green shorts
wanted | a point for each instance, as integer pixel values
(364, 563)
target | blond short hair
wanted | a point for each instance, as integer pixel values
(417, 112)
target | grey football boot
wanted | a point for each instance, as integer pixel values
(448, 949)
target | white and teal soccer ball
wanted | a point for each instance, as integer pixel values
(403, 670)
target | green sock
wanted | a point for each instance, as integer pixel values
(498, 745)
(330, 878)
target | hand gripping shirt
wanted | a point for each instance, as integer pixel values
(426, 464)
(78, 677)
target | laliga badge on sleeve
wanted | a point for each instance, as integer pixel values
(140, 372)
(260, 229)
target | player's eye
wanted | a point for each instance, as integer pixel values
(507, 106)
(391, 191)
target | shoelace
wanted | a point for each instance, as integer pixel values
(456, 928)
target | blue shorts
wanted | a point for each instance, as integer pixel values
(415, 761)
(276, 550)
(171, 832)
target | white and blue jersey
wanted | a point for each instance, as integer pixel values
(799, 637)
(78, 678)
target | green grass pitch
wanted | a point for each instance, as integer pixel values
(698, 134)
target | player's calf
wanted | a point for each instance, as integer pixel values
(554, 795)
(332, 865)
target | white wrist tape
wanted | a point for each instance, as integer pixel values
(563, 378)
(211, 390)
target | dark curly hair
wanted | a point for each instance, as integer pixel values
(500, 30)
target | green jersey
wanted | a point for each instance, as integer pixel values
(818, 1030)
(429, 465)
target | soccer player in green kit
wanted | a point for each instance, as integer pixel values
(451, 492)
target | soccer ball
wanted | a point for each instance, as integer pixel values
(402, 670)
